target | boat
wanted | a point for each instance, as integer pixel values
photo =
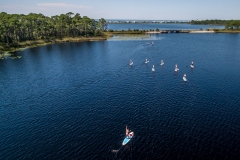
(184, 78)
(162, 63)
(153, 69)
(127, 138)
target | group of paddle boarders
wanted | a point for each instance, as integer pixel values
(149, 43)
(176, 68)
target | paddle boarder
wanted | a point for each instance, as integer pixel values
(131, 63)
(176, 68)
(185, 77)
(127, 130)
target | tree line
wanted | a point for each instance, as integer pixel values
(229, 24)
(16, 28)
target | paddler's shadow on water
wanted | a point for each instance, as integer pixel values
(129, 66)
(124, 152)
(175, 73)
(127, 147)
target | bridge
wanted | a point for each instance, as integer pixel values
(169, 31)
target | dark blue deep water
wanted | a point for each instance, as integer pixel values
(73, 100)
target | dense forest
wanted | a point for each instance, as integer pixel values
(15, 28)
(229, 24)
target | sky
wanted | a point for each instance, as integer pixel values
(129, 9)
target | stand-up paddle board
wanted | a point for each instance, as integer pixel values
(162, 63)
(184, 79)
(153, 69)
(127, 138)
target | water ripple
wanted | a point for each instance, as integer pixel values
(76, 105)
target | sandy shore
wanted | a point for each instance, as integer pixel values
(187, 31)
(201, 32)
(154, 32)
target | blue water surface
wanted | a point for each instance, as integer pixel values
(73, 100)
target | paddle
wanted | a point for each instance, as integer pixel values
(116, 151)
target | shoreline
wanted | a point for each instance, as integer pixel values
(202, 32)
(36, 43)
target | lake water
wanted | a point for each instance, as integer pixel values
(161, 26)
(73, 100)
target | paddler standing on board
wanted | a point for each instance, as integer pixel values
(127, 130)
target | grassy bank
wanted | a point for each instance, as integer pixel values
(123, 32)
(227, 31)
(36, 43)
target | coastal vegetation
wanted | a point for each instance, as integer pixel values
(19, 30)
(229, 24)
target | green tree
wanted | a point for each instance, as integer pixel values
(102, 24)
(18, 27)
(5, 25)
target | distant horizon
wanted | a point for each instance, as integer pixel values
(129, 10)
